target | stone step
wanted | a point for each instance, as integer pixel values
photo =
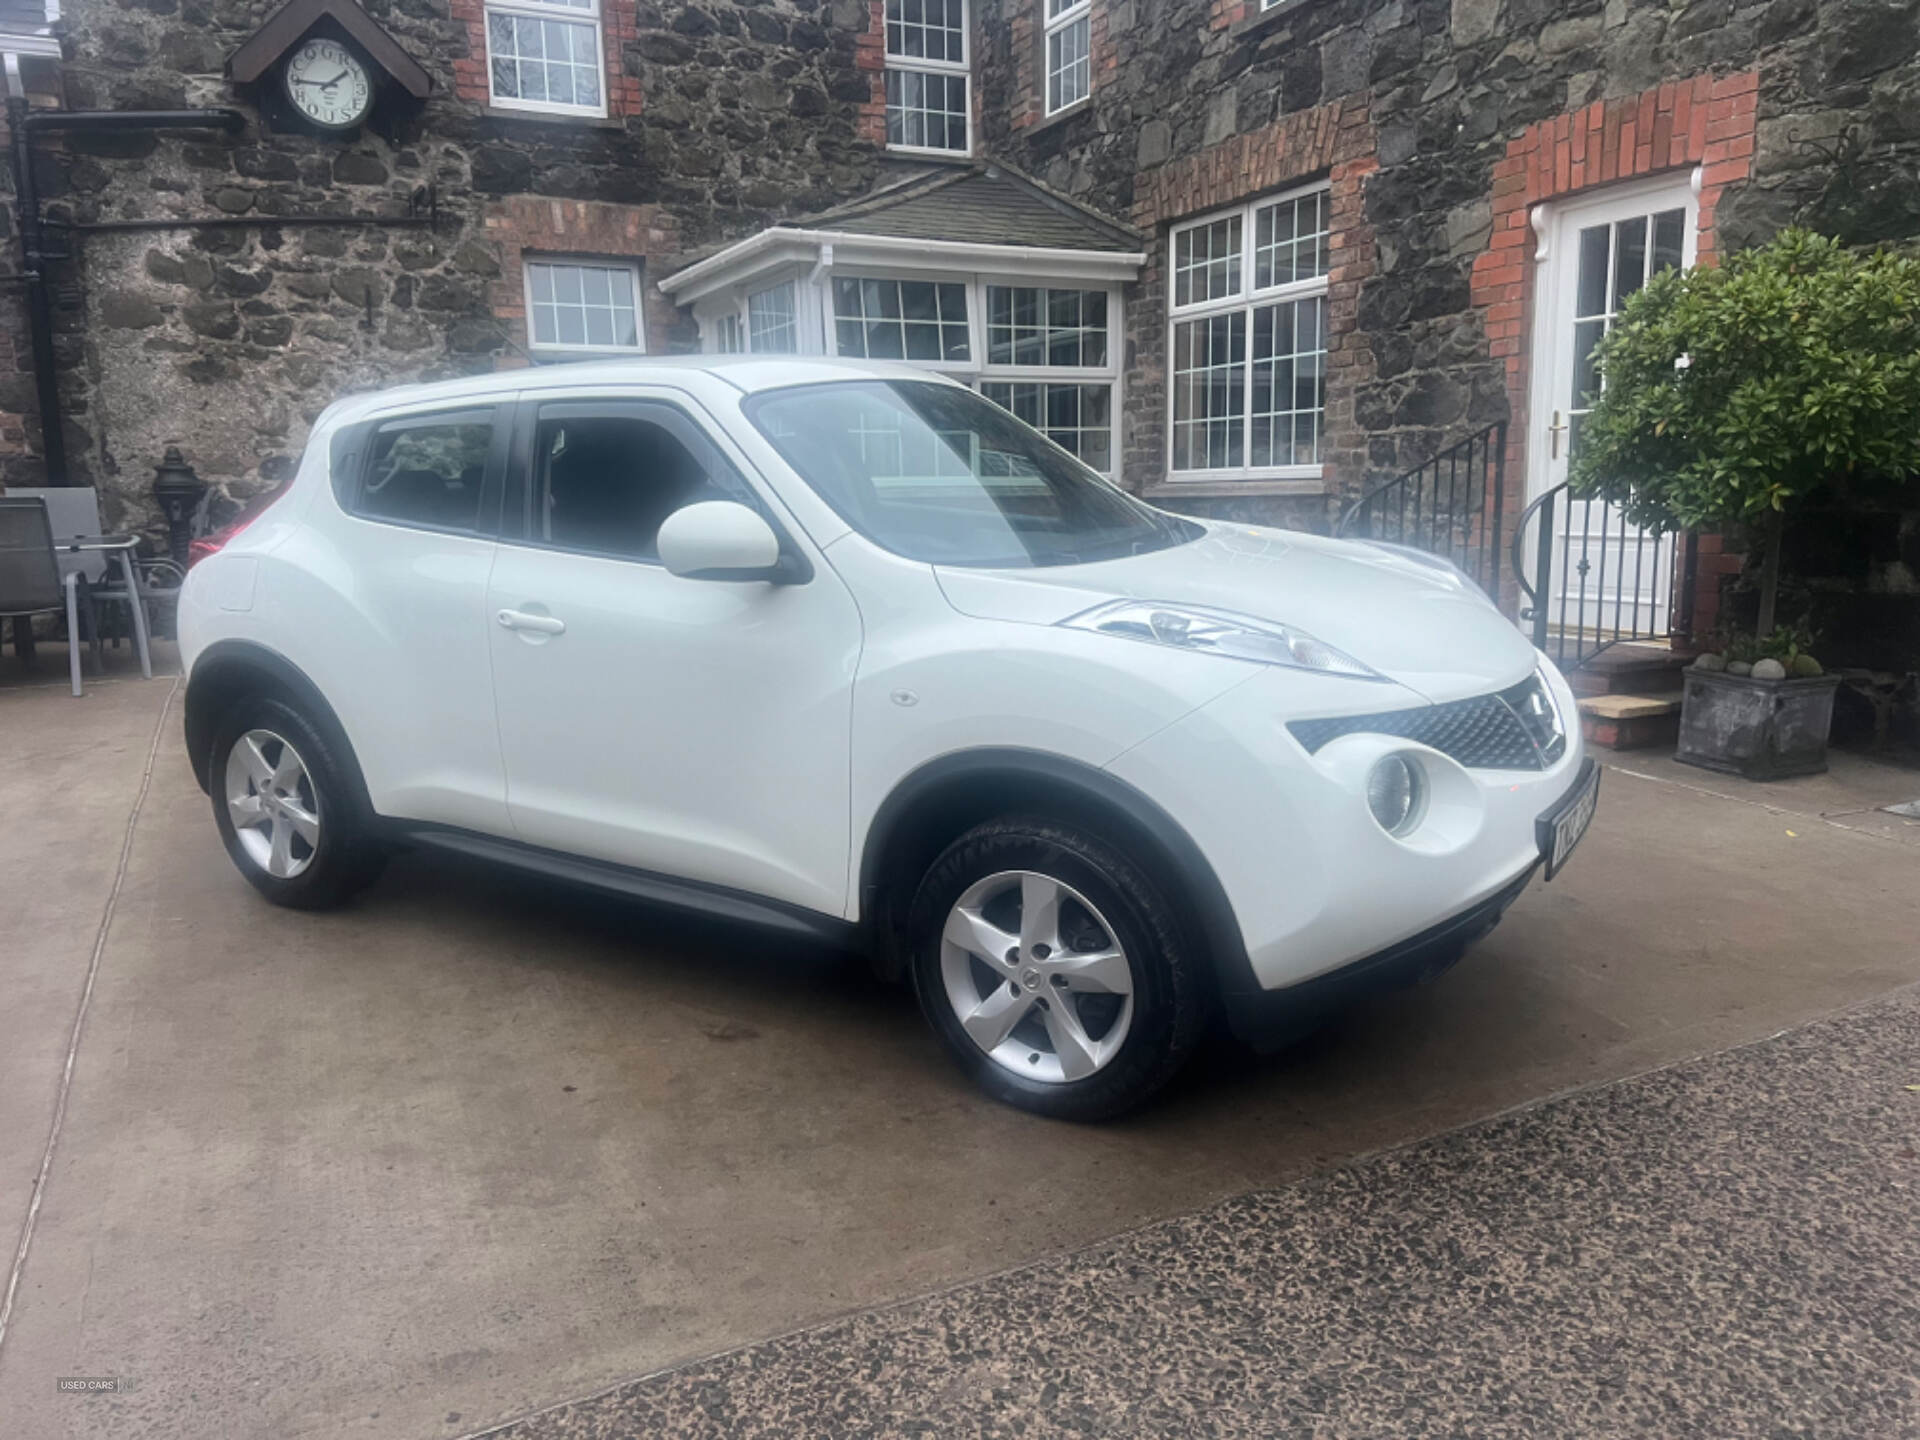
(1635, 668)
(1628, 722)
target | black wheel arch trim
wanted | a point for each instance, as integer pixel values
(1200, 887)
(208, 698)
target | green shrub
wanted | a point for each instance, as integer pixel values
(1735, 394)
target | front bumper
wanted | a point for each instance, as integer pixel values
(1317, 889)
(1267, 1020)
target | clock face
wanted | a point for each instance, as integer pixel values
(328, 84)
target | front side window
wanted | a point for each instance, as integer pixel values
(1069, 42)
(1249, 343)
(427, 471)
(771, 325)
(545, 55)
(580, 307)
(603, 484)
(900, 320)
(928, 76)
(940, 475)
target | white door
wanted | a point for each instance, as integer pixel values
(1608, 577)
(693, 728)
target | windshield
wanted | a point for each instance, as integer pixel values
(936, 473)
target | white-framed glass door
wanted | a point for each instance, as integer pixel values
(1598, 252)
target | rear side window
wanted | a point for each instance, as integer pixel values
(428, 470)
(602, 484)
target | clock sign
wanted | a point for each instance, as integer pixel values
(328, 85)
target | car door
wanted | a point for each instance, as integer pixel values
(387, 594)
(694, 728)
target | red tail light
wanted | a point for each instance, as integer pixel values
(198, 550)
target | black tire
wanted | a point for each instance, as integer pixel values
(348, 856)
(1171, 988)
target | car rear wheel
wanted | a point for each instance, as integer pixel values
(1053, 969)
(286, 809)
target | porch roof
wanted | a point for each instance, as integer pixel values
(983, 216)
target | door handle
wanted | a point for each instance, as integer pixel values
(1554, 432)
(539, 624)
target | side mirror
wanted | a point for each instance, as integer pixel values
(724, 540)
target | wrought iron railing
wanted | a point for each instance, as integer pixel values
(1597, 580)
(1451, 506)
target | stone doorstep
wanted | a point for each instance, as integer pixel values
(1635, 667)
(1628, 722)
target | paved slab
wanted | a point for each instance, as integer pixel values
(70, 771)
(1724, 1248)
(474, 1146)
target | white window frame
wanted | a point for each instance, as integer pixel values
(922, 65)
(551, 350)
(1244, 298)
(589, 15)
(1070, 14)
(792, 287)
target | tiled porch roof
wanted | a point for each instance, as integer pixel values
(986, 203)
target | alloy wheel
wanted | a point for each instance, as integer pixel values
(1036, 977)
(272, 803)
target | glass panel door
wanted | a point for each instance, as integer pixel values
(1608, 577)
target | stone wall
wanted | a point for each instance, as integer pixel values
(1453, 90)
(227, 341)
(729, 114)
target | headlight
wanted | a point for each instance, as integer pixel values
(1397, 793)
(1219, 632)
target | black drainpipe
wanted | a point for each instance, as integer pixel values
(22, 125)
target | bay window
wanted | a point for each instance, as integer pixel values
(772, 327)
(928, 76)
(900, 319)
(1249, 340)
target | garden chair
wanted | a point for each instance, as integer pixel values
(30, 579)
(74, 511)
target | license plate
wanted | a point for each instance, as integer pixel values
(1560, 828)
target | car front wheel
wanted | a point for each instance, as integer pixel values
(1054, 970)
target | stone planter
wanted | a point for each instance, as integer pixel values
(1757, 729)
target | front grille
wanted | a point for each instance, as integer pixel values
(1512, 729)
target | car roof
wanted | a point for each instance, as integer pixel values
(744, 374)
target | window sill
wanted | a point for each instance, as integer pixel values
(1227, 489)
(553, 117)
(923, 152)
(1254, 24)
(1060, 117)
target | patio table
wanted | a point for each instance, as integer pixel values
(121, 548)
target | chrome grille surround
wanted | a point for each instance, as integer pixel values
(1518, 728)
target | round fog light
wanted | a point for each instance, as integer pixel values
(1396, 793)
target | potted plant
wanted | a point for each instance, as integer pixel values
(1732, 397)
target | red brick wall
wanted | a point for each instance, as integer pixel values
(1336, 140)
(529, 223)
(870, 54)
(617, 30)
(1706, 122)
(1223, 13)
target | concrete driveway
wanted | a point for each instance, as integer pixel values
(475, 1147)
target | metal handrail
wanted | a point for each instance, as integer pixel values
(1434, 490)
(1535, 606)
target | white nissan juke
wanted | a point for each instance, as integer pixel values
(842, 648)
